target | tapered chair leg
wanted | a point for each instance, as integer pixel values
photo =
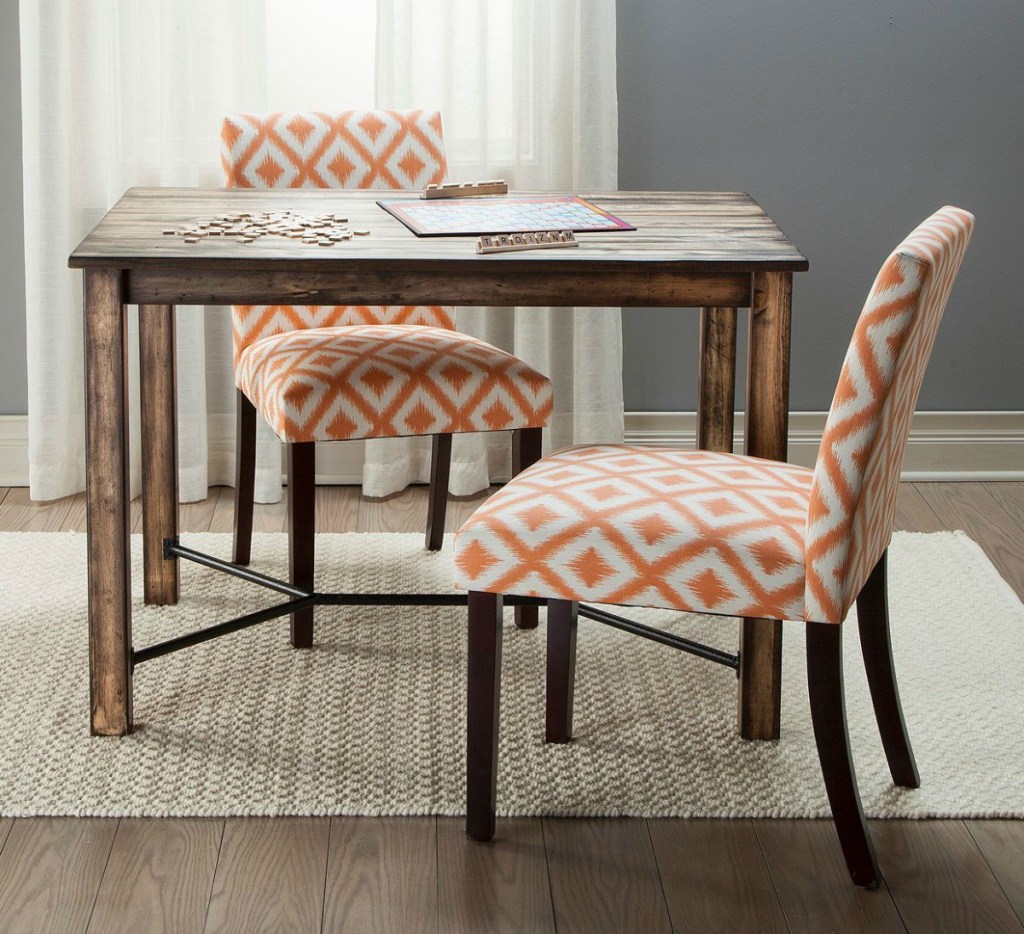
(245, 478)
(301, 533)
(482, 703)
(526, 450)
(440, 468)
(876, 644)
(562, 624)
(828, 715)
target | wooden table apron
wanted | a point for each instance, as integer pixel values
(713, 251)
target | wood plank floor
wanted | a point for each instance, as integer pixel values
(541, 875)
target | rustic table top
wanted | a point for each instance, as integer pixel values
(690, 231)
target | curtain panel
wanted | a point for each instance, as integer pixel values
(527, 89)
(117, 93)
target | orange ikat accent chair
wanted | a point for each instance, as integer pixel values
(334, 373)
(727, 534)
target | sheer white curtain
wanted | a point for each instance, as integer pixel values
(118, 93)
(527, 91)
(114, 94)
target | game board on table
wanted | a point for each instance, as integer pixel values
(455, 217)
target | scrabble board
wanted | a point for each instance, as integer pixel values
(456, 217)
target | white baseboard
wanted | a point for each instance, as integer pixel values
(943, 445)
(13, 450)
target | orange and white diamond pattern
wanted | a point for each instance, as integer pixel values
(724, 533)
(688, 530)
(379, 149)
(856, 478)
(383, 381)
(254, 322)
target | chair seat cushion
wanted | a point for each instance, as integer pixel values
(386, 381)
(687, 530)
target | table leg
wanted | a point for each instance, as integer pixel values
(765, 435)
(716, 397)
(159, 451)
(109, 562)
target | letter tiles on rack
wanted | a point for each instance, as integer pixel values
(532, 240)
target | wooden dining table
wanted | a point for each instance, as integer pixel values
(712, 251)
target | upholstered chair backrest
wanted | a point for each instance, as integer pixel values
(379, 149)
(856, 478)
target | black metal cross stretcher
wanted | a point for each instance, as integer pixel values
(301, 599)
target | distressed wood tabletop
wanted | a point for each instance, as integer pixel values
(681, 237)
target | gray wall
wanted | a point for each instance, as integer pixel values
(849, 123)
(13, 390)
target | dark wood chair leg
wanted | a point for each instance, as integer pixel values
(875, 642)
(828, 715)
(440, 468)
(526, 449)
(245, 477)
(482, 703)
(563, 616)
(301, 532)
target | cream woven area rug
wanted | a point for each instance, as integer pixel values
(371, 720)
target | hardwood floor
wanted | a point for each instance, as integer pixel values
(541, 875)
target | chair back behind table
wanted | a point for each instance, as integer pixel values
(367, 149)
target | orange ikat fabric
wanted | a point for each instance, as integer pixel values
(687, 530)
(725, 533)
(376, 149)
(384, 381)
(853, 498)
